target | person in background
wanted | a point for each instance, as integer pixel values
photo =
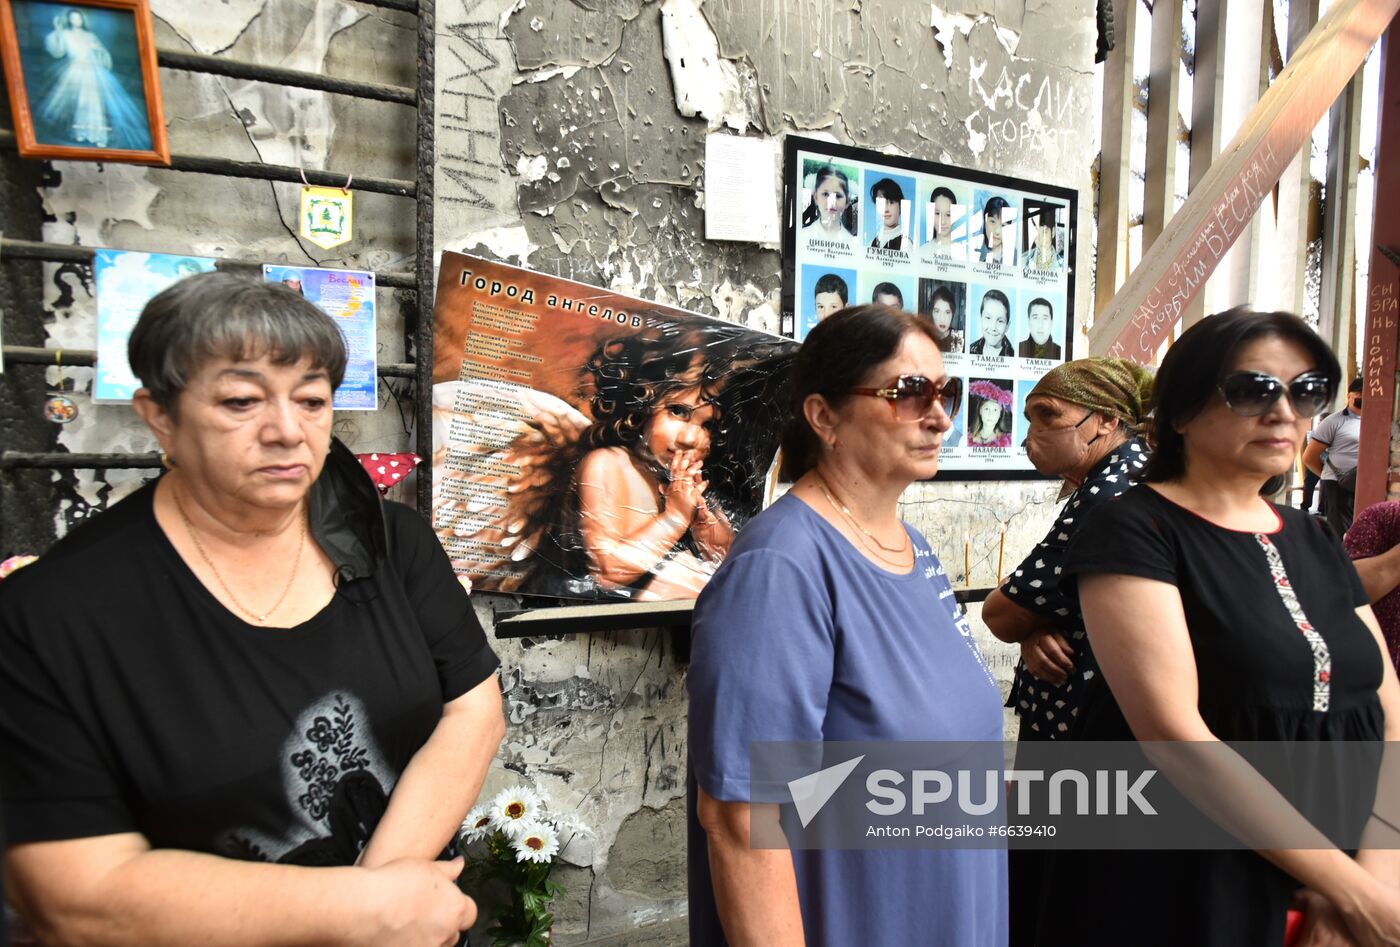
(1339, 435)
(1216, 617)
(832, 619)
(1086, 417)
(266, 714)
(829, 295)
(1373, 542)
(887, 294)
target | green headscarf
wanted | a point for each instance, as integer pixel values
(1114, 387)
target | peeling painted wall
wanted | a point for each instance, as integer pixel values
(571, 140)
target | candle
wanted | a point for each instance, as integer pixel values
(1001, 551)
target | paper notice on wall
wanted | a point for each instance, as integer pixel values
(741, 180)
(347, 296)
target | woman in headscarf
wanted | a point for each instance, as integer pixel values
(1085, 418)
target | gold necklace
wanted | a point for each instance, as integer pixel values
(296, 564)
(850, 518)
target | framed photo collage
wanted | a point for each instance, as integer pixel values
(988, 259)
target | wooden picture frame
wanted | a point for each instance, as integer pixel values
(83, 81)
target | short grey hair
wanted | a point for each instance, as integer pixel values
(221, 315)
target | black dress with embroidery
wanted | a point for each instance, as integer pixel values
(1280, 655)
(1047, 710)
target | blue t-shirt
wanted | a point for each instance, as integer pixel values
(800, 637)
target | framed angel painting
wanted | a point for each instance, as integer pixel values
(82, 80)
(589, 445)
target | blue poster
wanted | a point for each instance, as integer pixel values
(126, 281)
(347, 296)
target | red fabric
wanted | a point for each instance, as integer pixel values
(388, 469)
(1375, 530)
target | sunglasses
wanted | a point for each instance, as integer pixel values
(1250, 394)
(911, 397)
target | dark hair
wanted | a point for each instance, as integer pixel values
(995, 295)
(811, 212)
(1355, 386)
(888, 188)
(994, 206)
(887, 289)
(632, 375)
(831, 283)
(974, 415)
(943, 192)
(1040, 301)
(220, 315)
(836, 356)
(1195, 364)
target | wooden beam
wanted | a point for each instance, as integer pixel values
(1207, 97)
(1295, 188)
(1111, 264)
(1383, 306)
(1138, 319)
(1163, 98)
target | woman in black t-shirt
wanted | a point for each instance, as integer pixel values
(266, 714)
(1215, 615)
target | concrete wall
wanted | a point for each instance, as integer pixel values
(571, 140)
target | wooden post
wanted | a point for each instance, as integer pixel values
(1163, 92)
(1138, 319)
(1207, 96)
(1383, 307)
(1336, 312)
(1295, 189)
(1117, 136)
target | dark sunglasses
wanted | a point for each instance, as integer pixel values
(1250, 394)
(911, 397)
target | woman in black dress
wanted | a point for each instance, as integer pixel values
(1217, 616)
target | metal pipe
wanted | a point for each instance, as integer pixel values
(256, 72)
(257, 170)
(36, 355)
(12, 459)
(66, 253)
(423, 267)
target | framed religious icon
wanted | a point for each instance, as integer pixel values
(987, 259)
(82, 80)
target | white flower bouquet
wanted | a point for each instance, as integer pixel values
(513, 839)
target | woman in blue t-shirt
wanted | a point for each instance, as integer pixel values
(832, 620)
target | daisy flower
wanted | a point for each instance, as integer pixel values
(513, 808)
(477, 825)
(536, 842)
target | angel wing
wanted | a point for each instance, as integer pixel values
(503, 463)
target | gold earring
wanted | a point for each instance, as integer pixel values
(167, 461)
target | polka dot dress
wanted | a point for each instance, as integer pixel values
(1047, 711)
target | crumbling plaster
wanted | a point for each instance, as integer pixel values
(594, 171)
